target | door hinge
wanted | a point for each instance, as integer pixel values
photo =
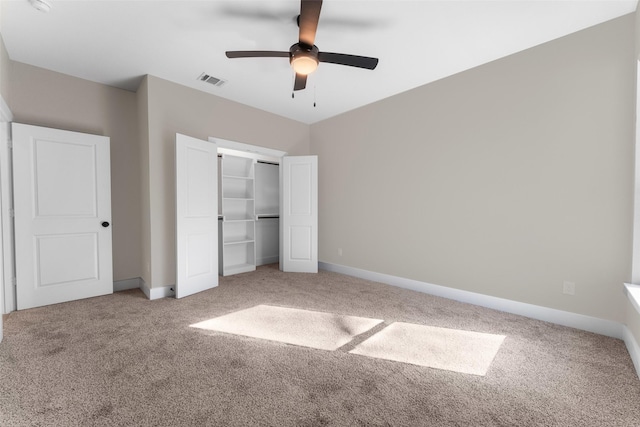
(14, 282)
(10, 144)
(12, 213)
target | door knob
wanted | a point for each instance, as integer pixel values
(105, 224)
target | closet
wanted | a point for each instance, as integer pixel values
(249, 211)
(251, 206)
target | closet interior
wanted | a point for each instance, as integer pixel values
(248, 210)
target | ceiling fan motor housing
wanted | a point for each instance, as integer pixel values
(303, 58)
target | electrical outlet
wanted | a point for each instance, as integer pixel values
(568, 288)
(339, 251)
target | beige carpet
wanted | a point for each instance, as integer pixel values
(122, 360)
(455, 350)
(324, 331)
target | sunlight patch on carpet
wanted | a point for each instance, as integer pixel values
(324, 331)
(449, 349)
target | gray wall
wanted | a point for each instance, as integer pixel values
(632, 319)
(46, 98)
(505, 180)
(175, 108)
(4, 71)
(4, 67)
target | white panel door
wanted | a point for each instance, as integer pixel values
(196, 215)
(299, 214)
(62, 202)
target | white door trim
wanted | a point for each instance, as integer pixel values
(251, 151)
(7, 261)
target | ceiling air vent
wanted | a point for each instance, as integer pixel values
(204, 77)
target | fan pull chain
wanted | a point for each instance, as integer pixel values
(314, 96)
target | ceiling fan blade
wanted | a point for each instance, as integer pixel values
(256, 54)
(350, 60)
(301, 82)
(308, 20)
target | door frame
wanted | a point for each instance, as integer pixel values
(252, 151)
(7, 259)
(255, 152)
(259, 153)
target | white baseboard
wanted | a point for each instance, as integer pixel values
(139, 283)
(163, 292)
(564, 318)
(267, 260)
(157, 293)
(124, 285)
(633, 293)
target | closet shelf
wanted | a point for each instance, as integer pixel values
(246, 178)
(237, 219)
(238, 240)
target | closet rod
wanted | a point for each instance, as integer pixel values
(268, 216)
(266, 162)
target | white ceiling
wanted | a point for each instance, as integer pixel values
(417, 42)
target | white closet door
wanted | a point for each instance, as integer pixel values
(299, 214)
(196, 215)
(62, 202)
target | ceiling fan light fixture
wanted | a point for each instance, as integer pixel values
(41, 5)
(303, 59)
(304, 65)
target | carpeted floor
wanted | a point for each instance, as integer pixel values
(315, 329)
(126, 361)
(443, 348)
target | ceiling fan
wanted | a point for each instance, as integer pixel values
(304, 56)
